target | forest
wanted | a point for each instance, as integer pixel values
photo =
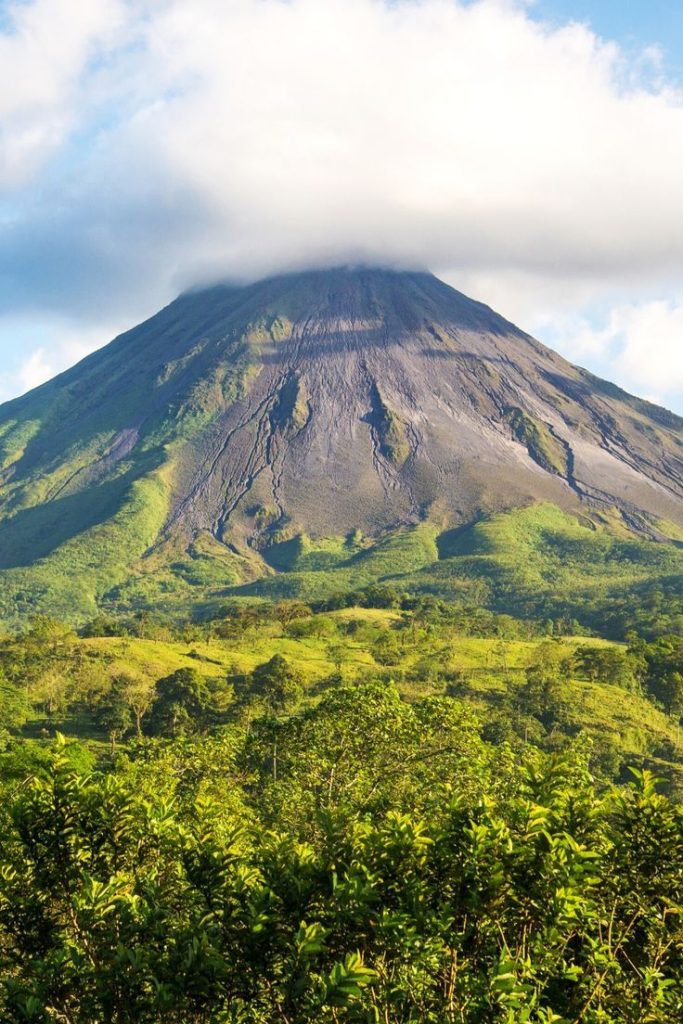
(384, 808)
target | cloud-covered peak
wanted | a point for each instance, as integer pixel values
(154, 144)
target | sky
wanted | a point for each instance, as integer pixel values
(529, 152)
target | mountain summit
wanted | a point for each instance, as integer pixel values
(317, 404)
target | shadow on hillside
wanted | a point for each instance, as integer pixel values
(36, 532)
(582, 390)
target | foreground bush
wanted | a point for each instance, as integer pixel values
(543, 901)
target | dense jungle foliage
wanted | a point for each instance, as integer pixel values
(379, 809)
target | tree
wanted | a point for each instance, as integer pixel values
(608, 665)
(238, 621)
(51, 692)
(364, 746)
(378, 596)
(182, 703)
(662, 661)
(500, 651)
(113, 715)
(312, 626)
(278, 683)
(14, 707)
(431, 887)
(668, 689)
(337, 653)
(287, 611)
(387, 648)
(101, 625)
(47, 635)
(541, 694)
(139, 694)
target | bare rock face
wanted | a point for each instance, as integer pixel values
(324, 402)
(381, 398)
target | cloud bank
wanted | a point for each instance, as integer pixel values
(150, 145)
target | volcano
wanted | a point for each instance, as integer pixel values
(318, 404)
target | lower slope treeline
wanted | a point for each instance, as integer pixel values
(395, 809)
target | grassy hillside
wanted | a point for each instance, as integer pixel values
(356, 643)
(90, 461)
(540, 561)
(533, 562)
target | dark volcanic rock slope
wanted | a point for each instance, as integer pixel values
(323, 402)
(380, 398)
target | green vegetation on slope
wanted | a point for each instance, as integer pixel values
(542, 561)
(527, 685)
(76, 519)
(543, 448)
(536, 562)
(366, 859)
(313, 815)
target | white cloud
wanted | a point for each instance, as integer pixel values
(652, 344)
(641, 344)
(45, 348)
(244, 136)
(35, 370)
(434, 132)
(42, 58)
